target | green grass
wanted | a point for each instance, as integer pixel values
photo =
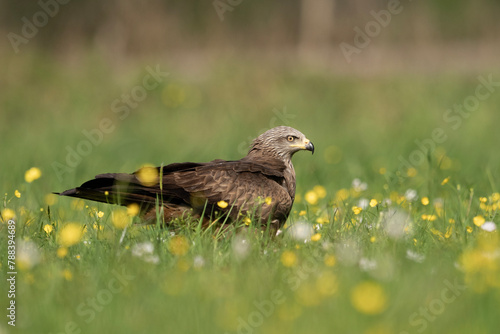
(197, 281)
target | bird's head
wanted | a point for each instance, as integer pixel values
(282, 142)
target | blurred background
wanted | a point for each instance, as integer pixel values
(400, 98)
(363, 79)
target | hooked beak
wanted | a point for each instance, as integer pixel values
(309, 145)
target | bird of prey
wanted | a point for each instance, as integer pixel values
(261, 185)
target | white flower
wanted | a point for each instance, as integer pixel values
(415, 256)
(411, 195)
(395, 222)
(364, 203)
(367, 264)
(301, 231)
(28, 254)
(144, 248)
(241, 247)
(489, 226)
(359, 186)
(154, 259)
(198, 262)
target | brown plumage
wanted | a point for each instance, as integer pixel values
(261, 185)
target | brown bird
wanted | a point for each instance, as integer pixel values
(260, 186)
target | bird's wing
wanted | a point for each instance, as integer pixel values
(242, 184)
(239, 183)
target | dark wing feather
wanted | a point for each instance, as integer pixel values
(239, 183)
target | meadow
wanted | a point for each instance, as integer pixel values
(394, 229)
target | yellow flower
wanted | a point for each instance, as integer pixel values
(425, 200)
(382, 170)
(247, 221)
(100, 214)
(327, 284)
(483, 199)
(369, 298)
(430, 218)
(316, 237)
(288, 258)
(322, 220)
(48, 228)
(302, 213)
(373, 239)
(479, 220)
(469, 229)
(66, 273)
(451, 221)
(373, 202)
(148, 175)
(133, 209)
(449, 231)
(222, 204)
(8, 214)
(437, 232)
(268, 200)
(50, 199)
(320, 191)
(330, 260)
(70, 234)
(411, 172)
(342, 195)
(106, 193)
(77, 204)
(62, 252)
(120, 219)
(17, 194)
(445, 181)
(311, 197)
(178, 245)
(495, 197)
(357, 210)
(32, 174)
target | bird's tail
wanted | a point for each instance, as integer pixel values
(114, 188)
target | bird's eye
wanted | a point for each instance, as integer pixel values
(291, 138)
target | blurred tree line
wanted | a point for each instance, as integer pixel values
(131, 28)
